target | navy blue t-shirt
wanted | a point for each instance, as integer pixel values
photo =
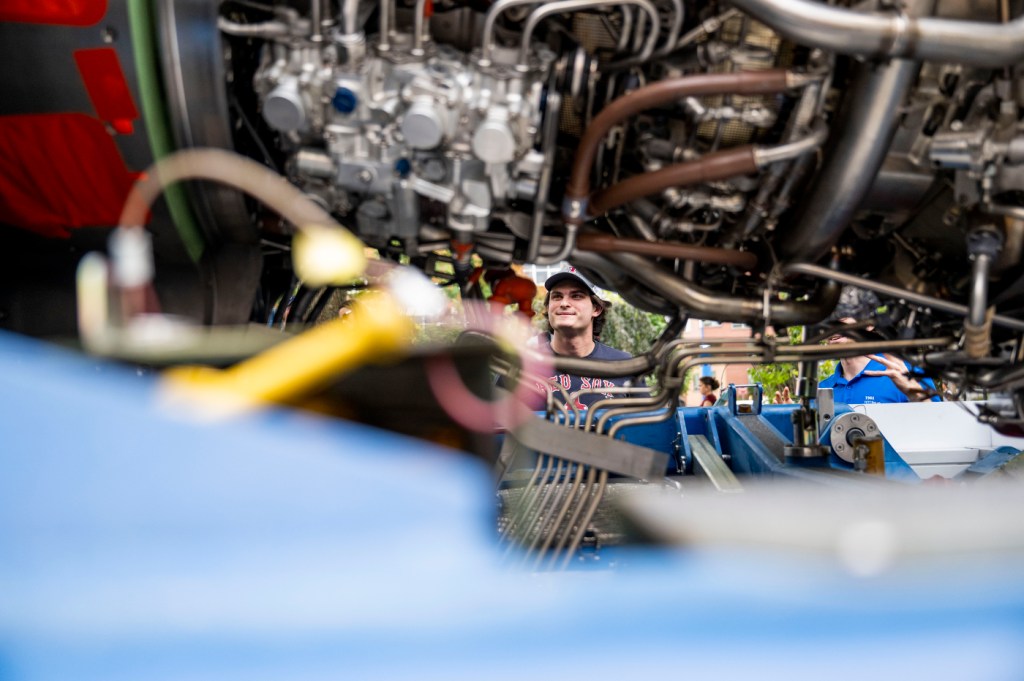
(572, 383)
(863, 389)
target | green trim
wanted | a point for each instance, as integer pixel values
(154, 113)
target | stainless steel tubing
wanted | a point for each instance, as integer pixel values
(678, 14)
(487, 37)
(894, 292)
(627, 29)
(350, 16)
(892, 35)
(869, 123)
(978, 301)
(417, 31)
(559, 519)
(264, 29)
(385, 21)
(316, 20)
(566, 6)
(765, 156)
(605, 369)
(724, 307)
(595, 501)
(584, 492)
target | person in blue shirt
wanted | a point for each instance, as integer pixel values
(874, 379)
(868, 379)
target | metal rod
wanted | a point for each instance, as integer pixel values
(602, 484)
(417, 32)
(576, 472)
(584, 493)
(316, 19)
(894, 292)
(566, 6)
(384, 39)
(487, 37)
(891, 35)
(535, 523)
(869, 122)
(725, 307)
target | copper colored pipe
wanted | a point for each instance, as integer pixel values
(720, 165)
(607, 243)
(658, 94)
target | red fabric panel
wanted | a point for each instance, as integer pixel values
(60, 171)
(57, 12)
(104, 80)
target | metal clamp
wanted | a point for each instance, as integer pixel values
(848, 427)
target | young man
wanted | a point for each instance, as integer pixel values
(873, 379)
(867, 379)
(574, 318)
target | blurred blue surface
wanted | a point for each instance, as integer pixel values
(141, 541)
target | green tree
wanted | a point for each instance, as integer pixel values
(631, 329)
(774, 377)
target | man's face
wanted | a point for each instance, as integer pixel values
(836, 338)
(570, 308)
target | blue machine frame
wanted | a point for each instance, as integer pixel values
(141, 540)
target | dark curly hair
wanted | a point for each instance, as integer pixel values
(599, 320)
(710, 381)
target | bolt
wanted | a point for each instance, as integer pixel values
(365, 176)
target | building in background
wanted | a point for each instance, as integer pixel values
(699, 329)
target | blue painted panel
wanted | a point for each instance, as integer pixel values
(139, 541)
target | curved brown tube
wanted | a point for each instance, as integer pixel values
(720, 165)
(606, 243)
(658, 94)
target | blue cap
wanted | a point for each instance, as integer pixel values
(344, 100)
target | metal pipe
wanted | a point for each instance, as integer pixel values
(487, 37)
(891, 35)
(978, 300)
(627, 28)
(316, 19)
(384, 39)
(264, 29)
(820, 272)
(678, 14)
(565, 6)
(719, 165)
(602, 484)
(607, 243)
(417, 31)
(869, 123)
(785, 152)
(559, 519)
(583, 494)
(693, 298)
(658, 94)
(567, 247)
(707, 27)
(350, 16)
(548, 143)
(633, 293)
(619, 368)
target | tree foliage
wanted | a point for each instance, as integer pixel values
(631, 329)
(775, 377)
